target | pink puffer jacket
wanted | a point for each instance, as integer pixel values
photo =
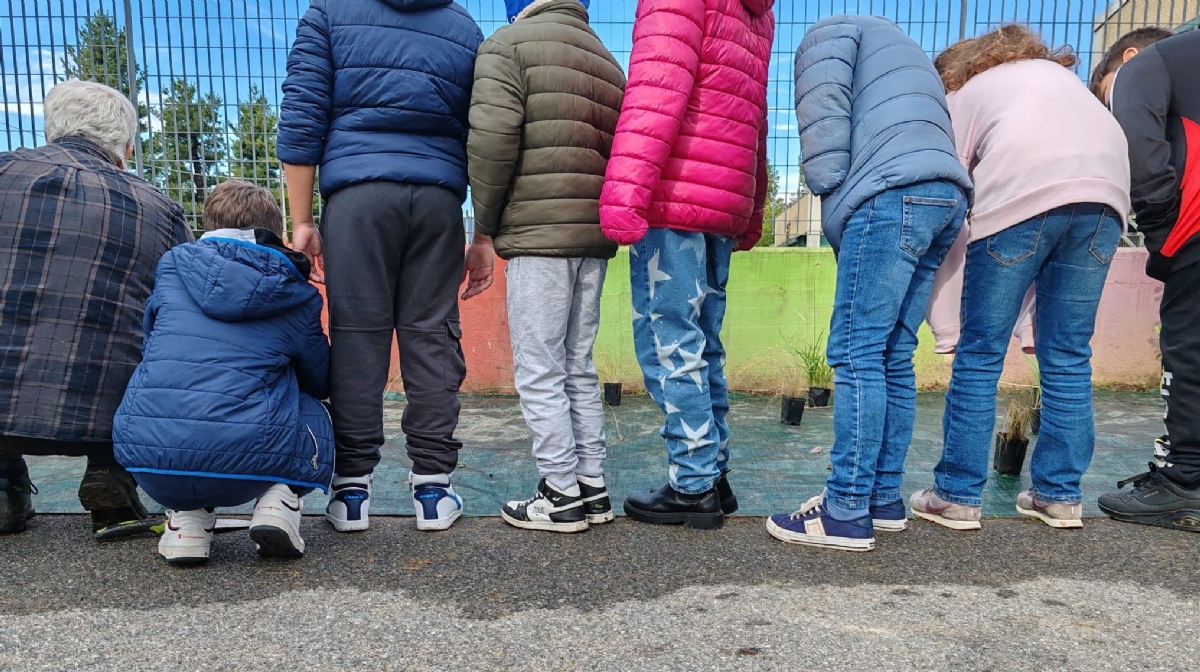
(690, 149)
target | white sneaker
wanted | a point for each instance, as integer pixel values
(187, 537)
(275, 527)
(435, 501)
(349, 503)
(550, 509)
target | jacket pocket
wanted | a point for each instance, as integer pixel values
(1107, 236)
(453, 363)
(1017, 243)
(922, 219)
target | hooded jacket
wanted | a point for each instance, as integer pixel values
(379, 90)
(234, 361)
(872, 116)
(690, 151)
(543, 111)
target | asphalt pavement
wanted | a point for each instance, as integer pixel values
(482, 596)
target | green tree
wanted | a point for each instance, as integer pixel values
(252, 151)
(772, 209)
(188, 152)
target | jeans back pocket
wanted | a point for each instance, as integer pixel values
(1107, 236)
(923, 219)
(1017, 243)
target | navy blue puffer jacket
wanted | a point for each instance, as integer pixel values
(873, 117)
(233, 364)
(380, 90)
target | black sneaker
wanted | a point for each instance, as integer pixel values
(596, 504)
(668, 506)
(1154, 500)
(729, 503)
(16, 503)
(110, 494)
(550, 509)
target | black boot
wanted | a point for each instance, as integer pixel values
(16, 503)
(729, 503)
(110, 494)
(667, 506)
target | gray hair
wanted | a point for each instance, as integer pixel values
(92, 111)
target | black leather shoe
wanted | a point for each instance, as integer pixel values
(666, 506)
(725, 493)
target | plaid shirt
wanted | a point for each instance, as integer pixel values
(79, 243)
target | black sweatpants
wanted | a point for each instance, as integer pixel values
(1180, 344)
(393, 264)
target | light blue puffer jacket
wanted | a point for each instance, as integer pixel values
(872, 114)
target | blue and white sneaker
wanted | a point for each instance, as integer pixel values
(435, 501)
(349, 503)
(812, 526)
(889, 517)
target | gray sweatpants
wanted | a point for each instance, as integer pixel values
(553, 317)
(393, 264)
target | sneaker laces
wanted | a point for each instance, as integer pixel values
(808, 507)
(1141, 479)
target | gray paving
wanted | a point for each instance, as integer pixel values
(1015, 596)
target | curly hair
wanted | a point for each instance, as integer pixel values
(1007, 44)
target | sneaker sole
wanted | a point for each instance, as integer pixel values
(439, 525)
(838, 543)
(881, 525)
(601, 518)
(545, 526)
(1057, 523)
(275, 542)
(1186, 520)
(348, 525)
(184, 557)
(696, 521)
(960, 525)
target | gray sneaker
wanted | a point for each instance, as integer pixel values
(1054, 514)
(926, 504)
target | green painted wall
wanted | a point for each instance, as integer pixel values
(778, 298)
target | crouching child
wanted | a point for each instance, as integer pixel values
(224, 408)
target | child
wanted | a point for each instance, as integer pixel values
(536, 156)
(1051, 177)
(1148, 80)
(685, 186)
(223, 409)
(879, 150)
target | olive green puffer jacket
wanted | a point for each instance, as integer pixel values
(543, 110)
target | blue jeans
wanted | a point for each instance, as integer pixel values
(890, 250)
(1066, 253)
(677, 281)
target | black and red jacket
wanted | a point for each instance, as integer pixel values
(1156, 99)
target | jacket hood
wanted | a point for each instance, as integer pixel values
(236, 281)
(415, 5)
(758, 7)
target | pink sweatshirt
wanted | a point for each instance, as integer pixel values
(1034, 139)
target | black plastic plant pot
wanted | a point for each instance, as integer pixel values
(818, 396)
(612, 394)
(1009, 456)
(793, 410)
(1035, 422)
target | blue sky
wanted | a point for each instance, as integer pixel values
(226, 46)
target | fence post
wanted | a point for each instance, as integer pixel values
(131, 67)
(962, 20)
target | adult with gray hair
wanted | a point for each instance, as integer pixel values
(80, 239)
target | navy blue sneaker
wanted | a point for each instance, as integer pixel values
(889, 517)
(349, 503)
(812, 526)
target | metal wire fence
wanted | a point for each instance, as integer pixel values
(206, 74)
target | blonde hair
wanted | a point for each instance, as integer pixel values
(1007, 44)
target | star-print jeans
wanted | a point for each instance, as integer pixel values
(677, 280)
(891, 248)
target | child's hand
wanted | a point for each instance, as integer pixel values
(306, 239)
(479, 268)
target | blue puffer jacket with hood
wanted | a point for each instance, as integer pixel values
(872, 114)
(234, 362)
(380, 90)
